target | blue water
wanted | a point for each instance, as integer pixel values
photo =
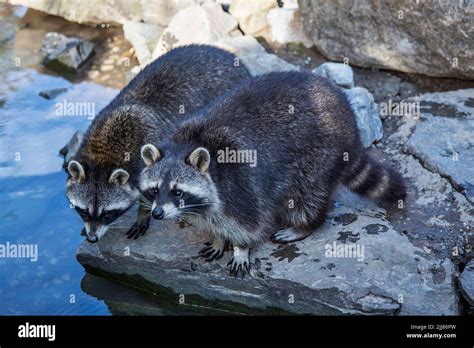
(33, 206)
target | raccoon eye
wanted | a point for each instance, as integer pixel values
(83, 213)
(178, 193)
(153, 191)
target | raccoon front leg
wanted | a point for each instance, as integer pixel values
(240, 262)
(214, 249)
(143, 221)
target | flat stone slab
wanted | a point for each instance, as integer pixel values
(386, 274)
(443, 138)
(466, 283)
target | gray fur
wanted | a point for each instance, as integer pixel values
(162, 95)
(307, 143)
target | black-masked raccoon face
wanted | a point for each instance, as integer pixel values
(99, 198)
(178, 183)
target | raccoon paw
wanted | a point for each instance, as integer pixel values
(138, 229)
(213, 250)
(239, 263)
(289, 235)
(83, 232)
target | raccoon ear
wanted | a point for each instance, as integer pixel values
(76, 170)
(150, 154)
(119, 177)
(200, 159)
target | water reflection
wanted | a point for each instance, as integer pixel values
(33, 207)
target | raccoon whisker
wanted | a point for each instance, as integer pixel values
(196, 205)
(191, 212)
(144, 199)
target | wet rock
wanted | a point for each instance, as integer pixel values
(206, 24)
(103, 11)
(449, 116)
(367, 115)
(375, 274)
(70, 149)
(466, 283)
(252, 16)
(341, 74)
(143, 38)
(52, 93)
(62, 53)
(285, 25)
(254, 56)
(421, 37)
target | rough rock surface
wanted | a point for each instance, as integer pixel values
(106, 11)
(204, 24)
(65, 53)
(443, 138)
(143, 37)
(366, 113)
(466, 283)
(285, 25)
(252, 16)
(431, 38)
(341, 74)
(390, 276)
(254, 55)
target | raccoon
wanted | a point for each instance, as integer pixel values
(103, 175)
(303, 131)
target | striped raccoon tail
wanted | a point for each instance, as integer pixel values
(378, 181)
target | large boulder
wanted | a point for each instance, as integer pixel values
(357, 263)
(203, 24)
(252, 16)
(286, 27)
(143, 37)
(105, 11)
(431, 38)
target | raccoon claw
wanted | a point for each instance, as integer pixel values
(288, 235)
(181, 222)
(211, 251)
(237, 267)
(83, 232)
(137, 230)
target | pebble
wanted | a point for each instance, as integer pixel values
(106, 68)
(93, 74)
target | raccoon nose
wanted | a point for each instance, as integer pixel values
(158, 213)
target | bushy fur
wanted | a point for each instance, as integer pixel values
(160, 96)
(305, 136)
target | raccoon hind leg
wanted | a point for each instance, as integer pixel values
(303, 220)
(289, 235)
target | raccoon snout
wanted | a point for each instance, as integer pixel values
(158, 213)
(92, 238)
